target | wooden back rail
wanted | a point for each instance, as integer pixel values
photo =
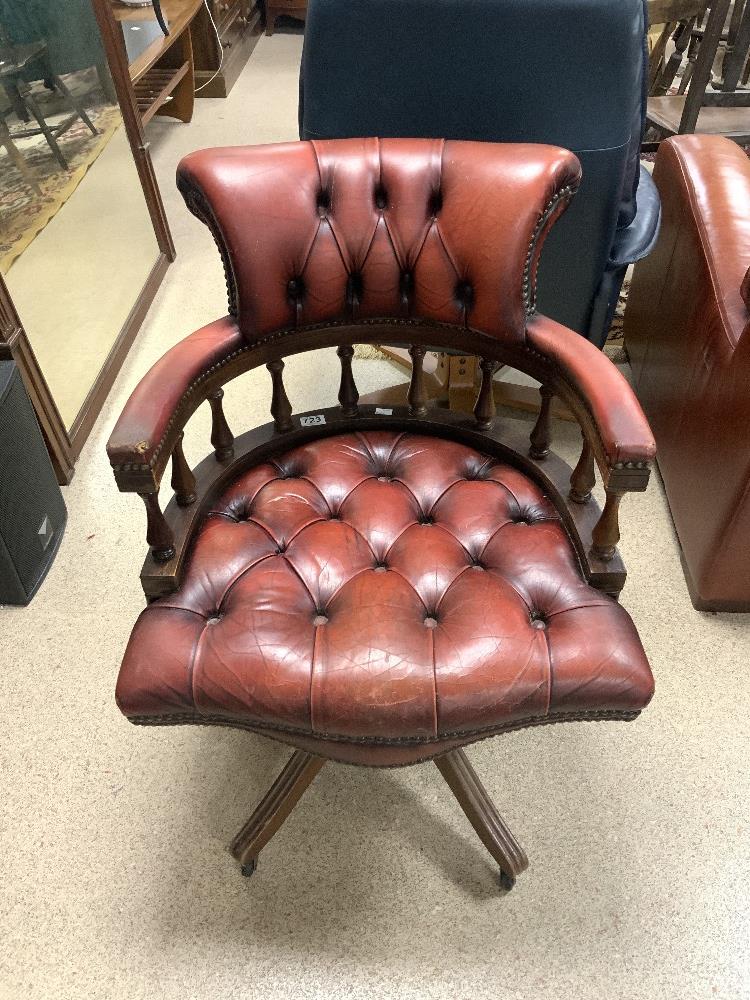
(594, 532)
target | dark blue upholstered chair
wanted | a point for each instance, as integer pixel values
(568, 72)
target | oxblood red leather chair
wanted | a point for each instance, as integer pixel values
(381, 589)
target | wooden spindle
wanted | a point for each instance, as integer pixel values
(281, 408)
(583, 477)
(221, 437)
(606, 533)
(484, 410)
(541, 435)
(417, 395)
(158, 533)
(183, 480)
(348, 395)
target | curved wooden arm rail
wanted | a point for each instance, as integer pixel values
(618, 475)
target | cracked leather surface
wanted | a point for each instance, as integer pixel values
(380, 586)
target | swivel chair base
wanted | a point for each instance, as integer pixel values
(301, 770)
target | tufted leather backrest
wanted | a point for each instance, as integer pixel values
(356, 230)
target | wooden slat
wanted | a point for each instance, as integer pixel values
(153, 89)
(666, 112)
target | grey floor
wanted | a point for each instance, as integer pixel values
(113, 864)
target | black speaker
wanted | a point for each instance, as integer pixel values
(32, 509)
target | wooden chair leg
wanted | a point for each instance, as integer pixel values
(472, 796)
(17, 159)
(275, 807)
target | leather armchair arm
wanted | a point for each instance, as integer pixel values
(621, 437)
(162, 402)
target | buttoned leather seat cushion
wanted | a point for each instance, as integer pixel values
(380, 587)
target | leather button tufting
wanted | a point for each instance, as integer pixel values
(405, 641)
(354, 289)
(295, 287)
(406, 284)
(465, 294)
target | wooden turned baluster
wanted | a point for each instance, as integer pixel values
(221, 437)
(348, 395)
(417, 396)
(183, 480)
(583, 478)
(484, 410)
(542, 433)
(606, 533)
(158, 533)
(281, 408)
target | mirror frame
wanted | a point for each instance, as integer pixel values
(64, 444)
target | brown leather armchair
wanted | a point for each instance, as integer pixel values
(687, 331)
(381, 588)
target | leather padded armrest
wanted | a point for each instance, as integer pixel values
(712, 174)
(146, 418)
(623, 429)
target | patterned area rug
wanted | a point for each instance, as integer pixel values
(23, 214)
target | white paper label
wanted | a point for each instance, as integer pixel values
(383, 412)
(316, 418)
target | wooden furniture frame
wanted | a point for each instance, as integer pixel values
(697, 108)
(594, 532)
(276, 8)
(163, 76)
(65, 443)
(301, 770)
(239, 25)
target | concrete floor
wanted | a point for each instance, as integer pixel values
(116, 881)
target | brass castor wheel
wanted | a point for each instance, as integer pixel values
(506, 881)
(249, 868)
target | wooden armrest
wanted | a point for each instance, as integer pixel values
(622, 441)
(162, 402)
(615, 430)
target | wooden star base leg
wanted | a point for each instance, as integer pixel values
(483, 816)
(274, 808)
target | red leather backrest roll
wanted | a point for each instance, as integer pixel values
(360, 229)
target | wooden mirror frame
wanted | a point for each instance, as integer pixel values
(65, 443)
